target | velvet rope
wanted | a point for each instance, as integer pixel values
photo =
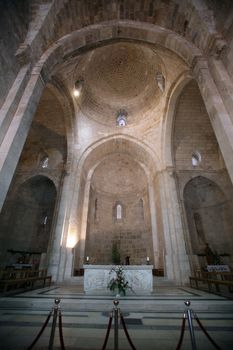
(181, 333)
(107, 333)
(126, 332)
(60, 332)
(206, 333)
(41, 331)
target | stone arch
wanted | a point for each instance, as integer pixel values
(65, 99)
(208, 217)
(73, 44)
(149, 158)
(168, 121)
(85, 39)
(90, 159)
(188, 25)
(26, 220)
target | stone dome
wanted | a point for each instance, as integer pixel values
(119, 76)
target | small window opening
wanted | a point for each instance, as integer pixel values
(196, 158)
(119, 212)
(45, 162)
(96, 210)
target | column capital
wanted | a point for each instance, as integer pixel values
(199, 63)
(217, 46)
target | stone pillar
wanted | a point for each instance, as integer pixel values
(15, 137)
(220, 119)
(153, 222)
(84, 219)
(223, 82)
(12, 100)
(57, 254)
(176, 258)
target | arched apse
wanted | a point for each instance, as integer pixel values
(209, 219)
(129, 150)
(115, 212)
(26, 221)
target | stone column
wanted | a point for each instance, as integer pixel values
(12, 100)
(84, 218)
(153, 221)
(177, 263)
(223, 83)
(57, 254)
(15, 137)
(218, 114)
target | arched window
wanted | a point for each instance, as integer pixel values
(44, 162)
(196, 158)
(119, 212)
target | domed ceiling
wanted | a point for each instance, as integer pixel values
(119, 76)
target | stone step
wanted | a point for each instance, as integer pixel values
(81, 302)
(162, 281)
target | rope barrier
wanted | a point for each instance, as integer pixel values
(116, 313)
(206, 333)
(189, 314)
(181, 333)
(126, 332)
(60, 331)
(108, 332)
(41, 331)
(53, 312)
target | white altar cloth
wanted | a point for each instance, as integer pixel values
(97, 277)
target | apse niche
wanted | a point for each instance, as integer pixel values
(119, 224)
(26, 221)
(209, 218)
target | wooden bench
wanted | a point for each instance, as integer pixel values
(210, 282)
(23, 279)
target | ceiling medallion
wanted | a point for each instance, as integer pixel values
(121, 119)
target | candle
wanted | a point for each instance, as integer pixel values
(147, 259)
(87, 258)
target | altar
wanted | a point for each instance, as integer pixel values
(97, 277)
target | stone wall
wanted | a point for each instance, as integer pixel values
(26, 220)
(193, 132)
(13, 28)
(131, 234)
(204, 187)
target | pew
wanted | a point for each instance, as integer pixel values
(211, 279)
(15, 279)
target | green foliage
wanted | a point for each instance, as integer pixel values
(116, 257)
(118, 282)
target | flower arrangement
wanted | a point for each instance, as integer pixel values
(119, 281)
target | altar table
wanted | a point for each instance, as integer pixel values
(97, 277)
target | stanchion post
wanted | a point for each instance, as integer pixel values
(116, 312)
(190, 323)
(52, 334)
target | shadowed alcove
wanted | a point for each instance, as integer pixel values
(209, 217)
(26, 220)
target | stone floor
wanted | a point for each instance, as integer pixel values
(153, 322)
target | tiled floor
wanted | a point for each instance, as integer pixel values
(153, 322)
